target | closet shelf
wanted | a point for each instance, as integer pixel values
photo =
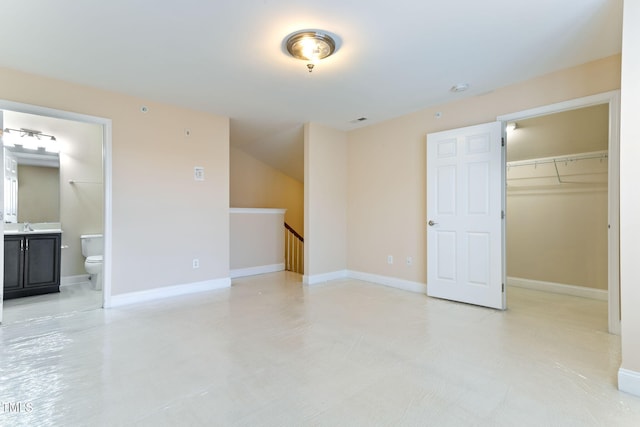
(600, 155)
(579, 168)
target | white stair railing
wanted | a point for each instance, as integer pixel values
(293, 250)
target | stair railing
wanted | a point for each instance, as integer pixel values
(293, 250)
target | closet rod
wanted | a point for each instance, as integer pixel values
(534, 162)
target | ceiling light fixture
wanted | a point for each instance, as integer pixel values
(34, 140)
(460, 87)
(30, 132)
(310, 46)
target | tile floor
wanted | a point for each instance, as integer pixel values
(271, 352)
(70, 299)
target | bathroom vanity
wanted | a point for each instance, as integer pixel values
(31, 262)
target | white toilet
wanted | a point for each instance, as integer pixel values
(92, 251)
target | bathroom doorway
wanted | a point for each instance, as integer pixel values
(84, 206)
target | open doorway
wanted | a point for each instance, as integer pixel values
(562, 200)
(83, 196)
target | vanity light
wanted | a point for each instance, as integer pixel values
(310, 46)
(33, 141)
(30, 132)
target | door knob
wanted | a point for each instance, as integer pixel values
(431, 223)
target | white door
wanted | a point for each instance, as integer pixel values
(465, 225)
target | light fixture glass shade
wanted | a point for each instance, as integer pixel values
(310, 46)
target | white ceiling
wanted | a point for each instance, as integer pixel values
(227, 57)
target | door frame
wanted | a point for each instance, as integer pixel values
(611, 98)
(106, 125)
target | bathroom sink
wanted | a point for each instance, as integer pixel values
(39, 231)
(32, 228)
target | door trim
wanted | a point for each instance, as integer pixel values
(611, 98)
(106, 170)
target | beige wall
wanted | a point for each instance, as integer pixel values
(254, 184)
(629, 179)
(257, 238)
(387, 165)
(569, 132)
(325, 200)
(38, 194)
(162, 218)
(81, 204)
(558, 236)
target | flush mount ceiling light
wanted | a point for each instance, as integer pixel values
(460, 87)
(310, 46)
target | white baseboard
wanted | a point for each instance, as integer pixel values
(558, 288)
(393, 282)
(252, 271)
(168, 292)
(629, 381)
(325, 277)
(74, 280)
(405, 285)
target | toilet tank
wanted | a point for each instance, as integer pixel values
(91, 244)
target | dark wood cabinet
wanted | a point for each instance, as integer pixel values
(13, 263)
(31, 264)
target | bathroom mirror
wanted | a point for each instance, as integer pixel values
(38, 186)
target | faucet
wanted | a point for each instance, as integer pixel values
(27, 227)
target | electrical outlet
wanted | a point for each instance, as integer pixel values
(196, 263)
(390, 259)
(409, 260)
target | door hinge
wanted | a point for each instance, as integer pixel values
(502, 214)
(503, 141)
(503, 288)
